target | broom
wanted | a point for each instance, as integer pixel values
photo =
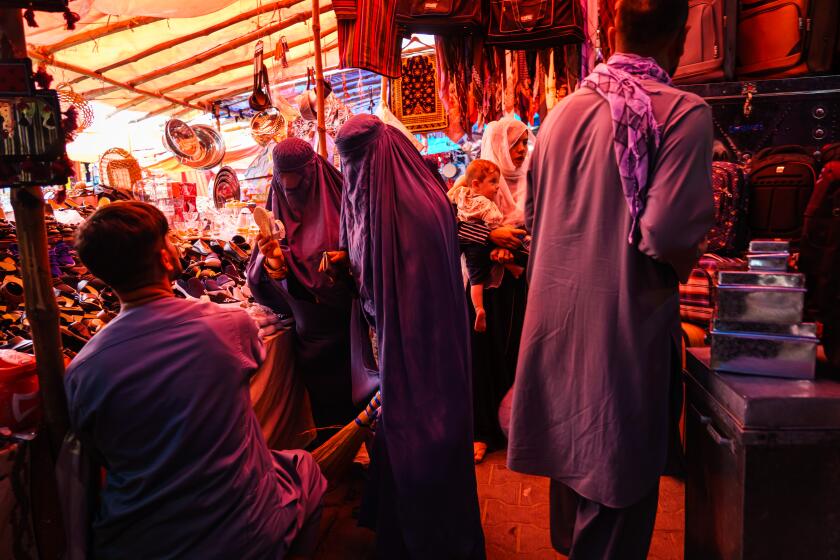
(336, 454)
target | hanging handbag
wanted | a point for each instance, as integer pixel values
(531, 24)
(439, 17)
(729, 234)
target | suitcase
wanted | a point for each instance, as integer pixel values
(819, 256)
(533, 24)
(729, 235)
(710, 45)
(781, 183)
(438, 17)
(779, 38)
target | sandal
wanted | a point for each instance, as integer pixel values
(479, 451)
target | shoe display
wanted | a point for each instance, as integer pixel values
(213, 269)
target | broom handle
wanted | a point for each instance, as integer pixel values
(366, 417)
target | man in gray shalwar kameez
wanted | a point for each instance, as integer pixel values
(619, 200)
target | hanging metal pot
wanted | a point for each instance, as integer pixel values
(268, 125)
(308, 100)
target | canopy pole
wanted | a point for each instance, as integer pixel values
(41, 310)
(42, 313)
(41, 307)
(319, 78)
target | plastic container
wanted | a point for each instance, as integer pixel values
(20, 400)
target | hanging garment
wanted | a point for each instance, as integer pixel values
(371, 41)
(414, 98)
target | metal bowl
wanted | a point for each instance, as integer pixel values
(213, 148)
(181, 139)
(225, 187)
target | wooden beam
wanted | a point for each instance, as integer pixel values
(245, 16)
(99, 92)
(98, 33)
(156, 112)
(133, 103)
(234, 66)
(227, 47)
(198, 95)
(181, 114)
(50, 61)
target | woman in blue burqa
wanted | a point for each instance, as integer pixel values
(289, 277)
(399, 230)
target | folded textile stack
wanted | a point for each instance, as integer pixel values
(758, 328)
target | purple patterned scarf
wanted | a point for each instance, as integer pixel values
(637, 134)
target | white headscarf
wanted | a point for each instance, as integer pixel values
(499, 137)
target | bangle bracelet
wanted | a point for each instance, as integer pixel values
(275, 273)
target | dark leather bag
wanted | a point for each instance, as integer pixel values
(781, 38)
(781, 183)
(438, 17)
(729, 235)
(819, 256)
(710, 45)
(531, 24)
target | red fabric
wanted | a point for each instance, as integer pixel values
(344, 9)
(371, 41)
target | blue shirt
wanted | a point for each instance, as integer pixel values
(161, 394)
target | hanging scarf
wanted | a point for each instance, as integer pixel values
(637, 134)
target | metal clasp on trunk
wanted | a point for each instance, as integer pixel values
(715, 435)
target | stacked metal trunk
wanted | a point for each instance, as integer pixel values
(758, 328)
